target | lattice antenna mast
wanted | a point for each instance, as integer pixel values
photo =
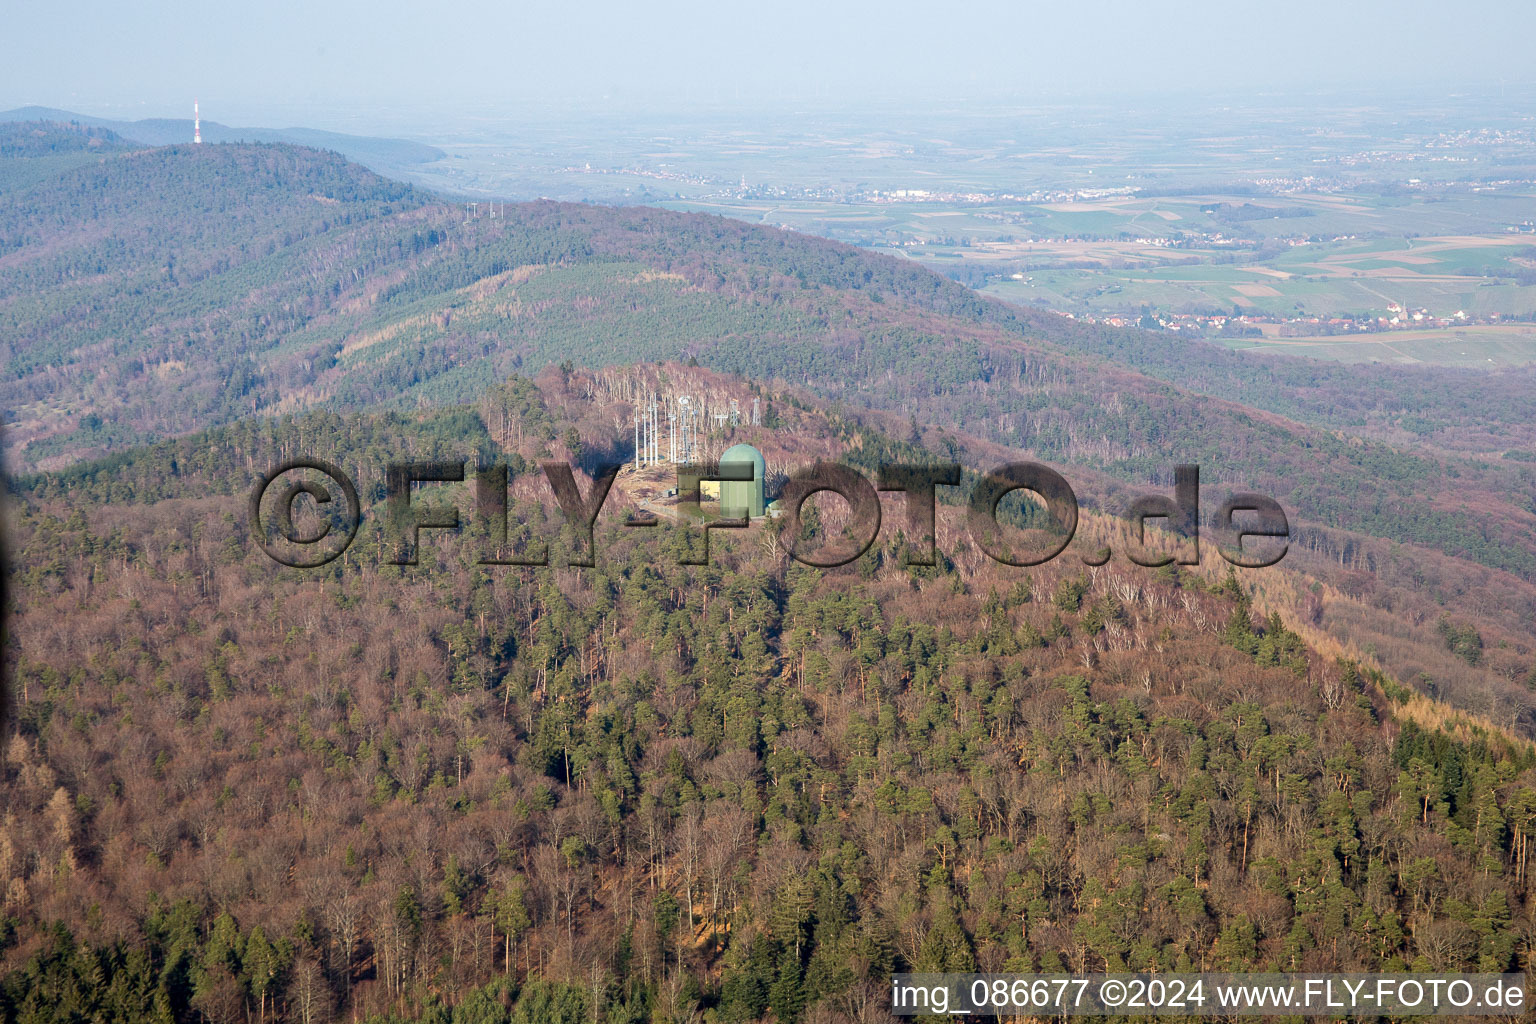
(197, 125)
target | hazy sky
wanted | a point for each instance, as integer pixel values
(390, 63)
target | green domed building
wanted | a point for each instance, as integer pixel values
(736, 495)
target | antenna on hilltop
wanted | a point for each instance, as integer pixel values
(197, 125)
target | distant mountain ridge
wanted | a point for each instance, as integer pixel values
(167, 131)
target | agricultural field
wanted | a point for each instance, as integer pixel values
(1476, 275)
(1325, 255)
(1478, 347)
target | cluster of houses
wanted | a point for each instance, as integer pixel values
(1397, 317)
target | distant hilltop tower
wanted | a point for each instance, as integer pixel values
(197, 126)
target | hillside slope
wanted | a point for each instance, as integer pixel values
(30, 153)
(158, 292)
(647, 791)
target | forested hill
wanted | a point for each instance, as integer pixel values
(48, 139)
(138, 292)
(645, 792)
(1469, 411)
(33, 152)
(165, 131)
(153, 293)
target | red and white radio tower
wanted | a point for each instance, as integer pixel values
(197, 125)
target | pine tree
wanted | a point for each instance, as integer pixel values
(786, 996)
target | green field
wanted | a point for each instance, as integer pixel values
(1247, 290)
(1485, 348)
